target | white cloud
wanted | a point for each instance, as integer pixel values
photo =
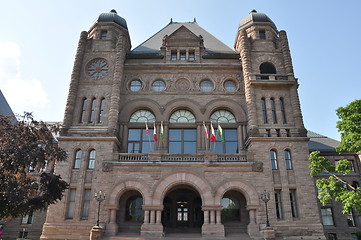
(22, 94)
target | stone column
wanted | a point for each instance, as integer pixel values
(159, 217)
(146, 217)
(218, 216)
(213, 217)
(206, 217)
(152, 217)
(112, 226)
(211, 228)
(152, 225)
(252, 227)
(74, 82)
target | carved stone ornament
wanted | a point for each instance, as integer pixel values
(182, 84)
(107, 167)
(257, 167)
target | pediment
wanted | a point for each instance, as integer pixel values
(183, 37)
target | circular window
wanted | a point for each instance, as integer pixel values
(135, 85)
(206, 85)
(229, 86)
(158, 85)
(98, 68)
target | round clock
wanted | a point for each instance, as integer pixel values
(98, 68)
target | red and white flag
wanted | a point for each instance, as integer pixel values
(213, 136)
(155, 137)
(205, 131)
(146, 129)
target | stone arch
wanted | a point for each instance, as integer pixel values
(199, 184)
(247, 190)
(126, 185)
(179, 104)
(276, 61)
(232, 106)
(132, 106)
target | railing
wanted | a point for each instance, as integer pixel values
(271, 77)
(174, 158)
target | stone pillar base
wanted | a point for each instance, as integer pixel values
(111, 229)
(213, 230)
(253, 230)
(96, 233)
(269, 233)
(152, 230)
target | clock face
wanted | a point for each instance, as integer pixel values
(98, 68)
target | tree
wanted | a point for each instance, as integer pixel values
(26, 148)
(335, 186)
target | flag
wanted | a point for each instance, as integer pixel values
(213, 136)
(161, 131)
(205, 131)
(146, 129)
(220, 132)
(155, 137)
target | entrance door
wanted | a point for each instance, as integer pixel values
(182, 211)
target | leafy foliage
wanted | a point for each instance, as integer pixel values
(26, 145)
(333, 186)
(350, 127)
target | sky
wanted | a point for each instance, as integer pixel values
(38, 42)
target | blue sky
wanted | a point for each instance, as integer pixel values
(39, 38)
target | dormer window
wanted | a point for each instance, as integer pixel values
(173, 55)
(103, 35)
(191, 56)
(182, 55)
(262, 34)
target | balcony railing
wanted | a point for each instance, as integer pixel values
(174, 158)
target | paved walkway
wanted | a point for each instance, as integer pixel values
(179, 236)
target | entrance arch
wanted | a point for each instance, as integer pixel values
(182, 210)
(130, 215)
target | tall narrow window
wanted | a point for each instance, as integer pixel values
(283, 111)
(288, 160)
(173, 55)
(191, 56)
(264, 110)
(92, 110)
(273, 108)
(71, 204)
(91, 161)
(293, 201)
(101, 110)
(182, 55)
(262, 34)
(103, 35)
(350, 219)
(278, 202)
(28, 218)
(327, 218)
(83, 110)
(86, 204)
(77, 160)
(273, 155)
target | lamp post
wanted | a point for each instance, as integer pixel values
(100, 197)
(265, 197)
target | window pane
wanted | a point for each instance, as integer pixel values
(134, 134)
(175, 134)
(158, 85)
(229, 86)
(230, 134)
(142, 116)
(231, 147)
(206, 86)
(190, 135)
(222, 116)
(175, 147)
(135, 85)
(190, 147)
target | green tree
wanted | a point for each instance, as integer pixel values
(334, 186)
(26, 145)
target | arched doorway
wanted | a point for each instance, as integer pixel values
(235, 216)
(182, 210)
(130, 215)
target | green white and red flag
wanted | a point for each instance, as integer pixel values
(161, 131)
(220, 132)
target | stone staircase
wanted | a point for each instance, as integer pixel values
(180, 236)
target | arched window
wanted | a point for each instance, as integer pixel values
(264, 110)
(142, 116)
(101, 110)
(283, 111)
(267, 68)
(134, 211)
(77, 159)
(222, 116)
(230, 210)
(273, 108)
(83, 110)
(182, 116)
(273, 155)
(288, 160)
(91, 159)
(92, 110)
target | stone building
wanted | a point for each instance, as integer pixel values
(178, 87)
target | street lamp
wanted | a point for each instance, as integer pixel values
(100, 197)
(265, 197)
